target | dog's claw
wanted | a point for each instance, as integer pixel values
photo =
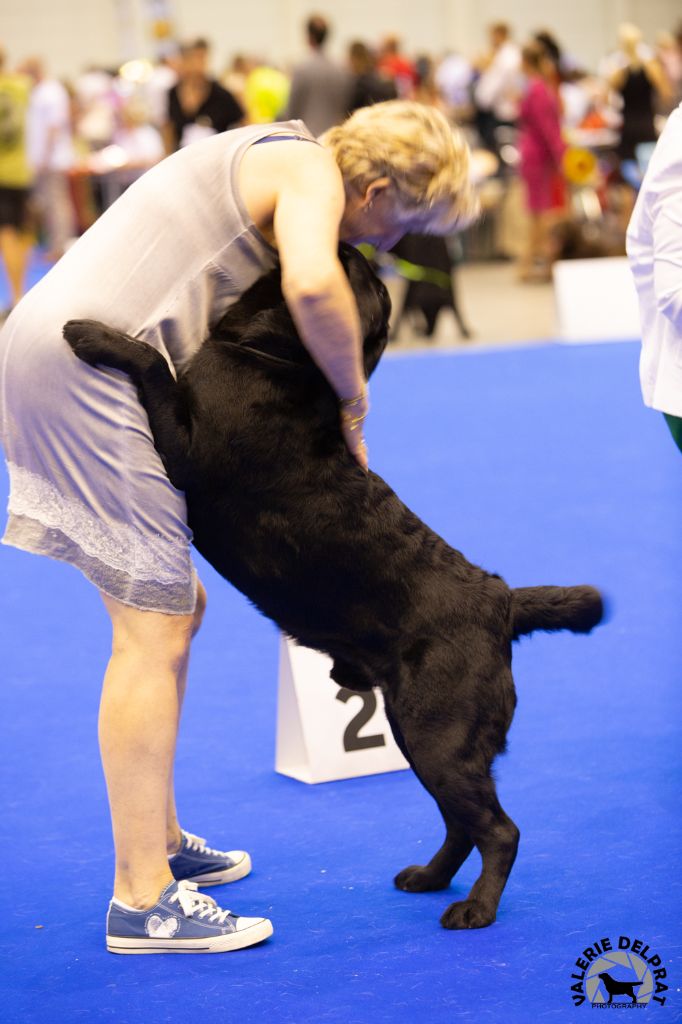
(419, 879)
(467, 914)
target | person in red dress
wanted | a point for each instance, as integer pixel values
(541, 150)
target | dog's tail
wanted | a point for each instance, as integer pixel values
(551, 608)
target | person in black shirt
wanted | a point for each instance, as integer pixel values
(368, 85)
(642, 83)
(198, 106)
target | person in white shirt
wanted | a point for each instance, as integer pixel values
(453, 78)
(162, 79)
(498, 88)
(51, 155)
(140, 141)
(654, 248)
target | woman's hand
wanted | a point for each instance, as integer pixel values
(353, 414)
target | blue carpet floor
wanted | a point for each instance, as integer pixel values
(540, 464)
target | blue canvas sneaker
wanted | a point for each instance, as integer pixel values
(198, 863)
(182, 921)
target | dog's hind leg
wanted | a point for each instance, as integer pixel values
(453, 764)
(497, 838)
(444, 864)
(163, 399)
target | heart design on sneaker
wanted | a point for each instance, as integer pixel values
(161, 927)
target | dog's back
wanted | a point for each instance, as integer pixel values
(282, 509)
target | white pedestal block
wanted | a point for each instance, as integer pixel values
(596, 300)
(324, 731)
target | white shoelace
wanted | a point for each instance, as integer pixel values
(194, 903)
(199, 844)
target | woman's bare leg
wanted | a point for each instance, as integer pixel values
(138, 725)
(173, 836)
(531, 251)
(15, 247)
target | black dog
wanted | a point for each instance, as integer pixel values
(620, 988)
(429, 256)
(251, 433)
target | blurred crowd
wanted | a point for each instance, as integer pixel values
(559, 149)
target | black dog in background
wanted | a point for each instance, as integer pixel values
(251, 433)
(432, 288)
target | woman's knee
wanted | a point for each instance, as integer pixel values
(164, 638)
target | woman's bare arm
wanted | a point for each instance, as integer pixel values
(659, 79)
(307, 202)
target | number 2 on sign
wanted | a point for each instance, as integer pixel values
(351, 738)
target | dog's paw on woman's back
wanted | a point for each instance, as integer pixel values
(97, 344)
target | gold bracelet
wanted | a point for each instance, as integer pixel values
(348, 403)
(353, 422)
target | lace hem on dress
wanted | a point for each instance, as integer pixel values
(151, 574)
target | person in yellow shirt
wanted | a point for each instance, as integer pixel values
(266, 94)
(15, 178)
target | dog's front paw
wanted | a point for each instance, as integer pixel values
(467, 914)
(419, 879)
(92, 341)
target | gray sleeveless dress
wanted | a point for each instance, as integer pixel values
(162, 264)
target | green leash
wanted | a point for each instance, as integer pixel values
(410, 271)
(428, 275)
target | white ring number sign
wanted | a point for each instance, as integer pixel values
(325, 731)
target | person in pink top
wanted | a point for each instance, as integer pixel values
(541, 150)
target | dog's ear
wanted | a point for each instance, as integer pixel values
(373, 302)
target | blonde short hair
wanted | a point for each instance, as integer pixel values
(426, 159)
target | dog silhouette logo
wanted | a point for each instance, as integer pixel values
(619, 988)
(617, 977)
